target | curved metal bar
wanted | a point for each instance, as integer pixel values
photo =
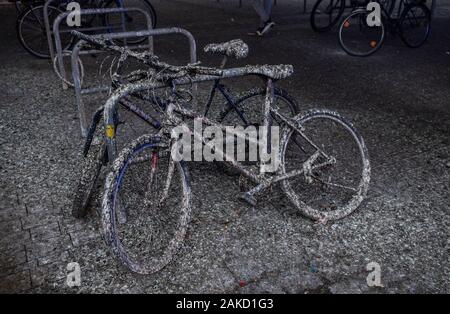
(77, 51)
(77, 87)
(48, 29)
(60, 17)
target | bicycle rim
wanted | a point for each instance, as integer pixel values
(32, 34)
(359, 39)
(325, 192)
(154, 229)
(415, 25)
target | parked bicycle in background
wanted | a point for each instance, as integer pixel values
(327, 13)
(411, 21)
(30, 26)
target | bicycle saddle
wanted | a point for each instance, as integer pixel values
(276, 72)
(234, 48)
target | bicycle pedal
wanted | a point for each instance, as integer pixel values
(247, 197)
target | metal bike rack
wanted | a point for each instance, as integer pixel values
(48, 28)
(76, 52)
(101, 11)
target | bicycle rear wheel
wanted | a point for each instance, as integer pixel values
(158, 211)
(388, 5)
(249, 107)
(31, 32)
(325, 14)
(414, 25)
(332, 186)
(359, 39)
(249, 111)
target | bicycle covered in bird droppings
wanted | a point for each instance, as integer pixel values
(324, 167)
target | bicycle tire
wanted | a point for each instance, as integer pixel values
(58, 74)
(95, 156)
(363, 178)
(314, 16)
(36, 11)
(360, 15)
(426, 18)
(388, 6)
(115, 183)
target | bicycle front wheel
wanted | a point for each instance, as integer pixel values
(154, 194)
(359, 39)
(248, 111)
(414, 25)
(333, 162)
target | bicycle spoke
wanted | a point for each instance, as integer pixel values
(38, 19)
(333, 184)
(321, 183)
(31, 25)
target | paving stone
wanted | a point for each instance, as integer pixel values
(48, 246)
(46, 231)
(295, 281)
(48, 274)
(10, 226)
(12, 213)
(61, 256)
(15, 283)
(349, 287)
(83, 236)
(15, 239)
(11, 258)
(39, 219)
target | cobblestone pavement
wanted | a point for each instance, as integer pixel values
(398, 99)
